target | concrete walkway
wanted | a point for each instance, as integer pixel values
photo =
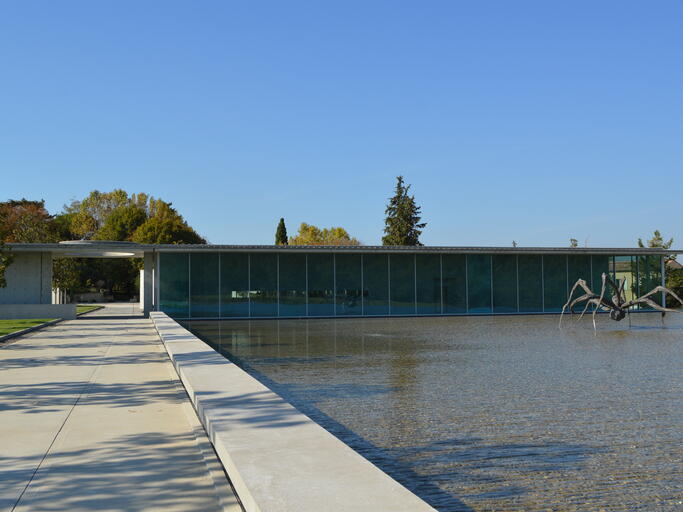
(92, 417)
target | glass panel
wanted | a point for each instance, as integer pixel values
(234, 284)
(428, 268)
(649, 277)
(479, 283)
(601, 265)
(263, 281)
(321, 284)
(174, 284)
(579, 267)
(625, 268)
(349, 285)
(655, 265)
(292, 284)
(204, 285)
(555, 282)
(375, 284)
(454, 284)
(402, 277)
(504, 283)
(530, 268)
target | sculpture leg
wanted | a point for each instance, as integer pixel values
(602, 295)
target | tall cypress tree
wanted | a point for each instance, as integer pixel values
(402, 225)
(281, 233)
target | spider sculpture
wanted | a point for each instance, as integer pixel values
(617, 306)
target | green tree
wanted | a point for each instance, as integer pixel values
(573, 242)
(673, 278)
(67, 274)
(657, 241)
(165, 226)
(62, 226)
(402, 225)
(313, 235)
(281, 233)
(91, 213)
(121, 223)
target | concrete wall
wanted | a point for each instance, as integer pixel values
(65, 311)
(278, 459)
(29, 279)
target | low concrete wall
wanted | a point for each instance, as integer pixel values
(277, 458)
(65, 311)
(29, 279)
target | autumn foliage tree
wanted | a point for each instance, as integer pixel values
(26, 221)
(313, 235)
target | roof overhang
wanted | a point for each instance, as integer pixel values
(106, 249)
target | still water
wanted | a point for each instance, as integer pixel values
(488, 413)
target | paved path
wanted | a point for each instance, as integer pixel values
(92, 418)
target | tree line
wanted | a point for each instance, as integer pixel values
(115, 215)
(141, 218)
(402, 225)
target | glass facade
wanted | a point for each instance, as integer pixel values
(309, 284)
(428, 284)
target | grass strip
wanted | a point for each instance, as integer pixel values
(14, 325)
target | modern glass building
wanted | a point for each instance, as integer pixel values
(295, 281)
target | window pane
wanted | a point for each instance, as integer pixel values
(428, 268)
(579, 267)
(376, 284)
(402, 277)
(555, 282)
(625, 267)
(601, 265)
(649, 277)
(263, 280)
(454, 284)
(174, 284)
(655, 265)
(292, 284)
(479, 283)
(349, 286)
(204, 285)
(321, 284)
(530, 283)
(505, 283)
(234, 284)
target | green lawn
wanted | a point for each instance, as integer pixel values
(8, 326)
(84, 309)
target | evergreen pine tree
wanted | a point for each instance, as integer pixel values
(281, 233)
(402, 225)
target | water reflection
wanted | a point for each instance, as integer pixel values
(488, 413)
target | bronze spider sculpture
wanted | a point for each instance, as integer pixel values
(617, 305)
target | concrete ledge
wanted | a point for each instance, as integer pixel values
(277, 458)
(16, 334)
(16, 311)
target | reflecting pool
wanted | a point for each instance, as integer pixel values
(488, 413)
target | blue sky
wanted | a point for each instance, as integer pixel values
(527, 121)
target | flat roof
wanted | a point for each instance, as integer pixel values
(105, 249)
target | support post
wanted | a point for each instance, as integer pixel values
(147, 292)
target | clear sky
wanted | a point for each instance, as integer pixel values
(527, 121)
